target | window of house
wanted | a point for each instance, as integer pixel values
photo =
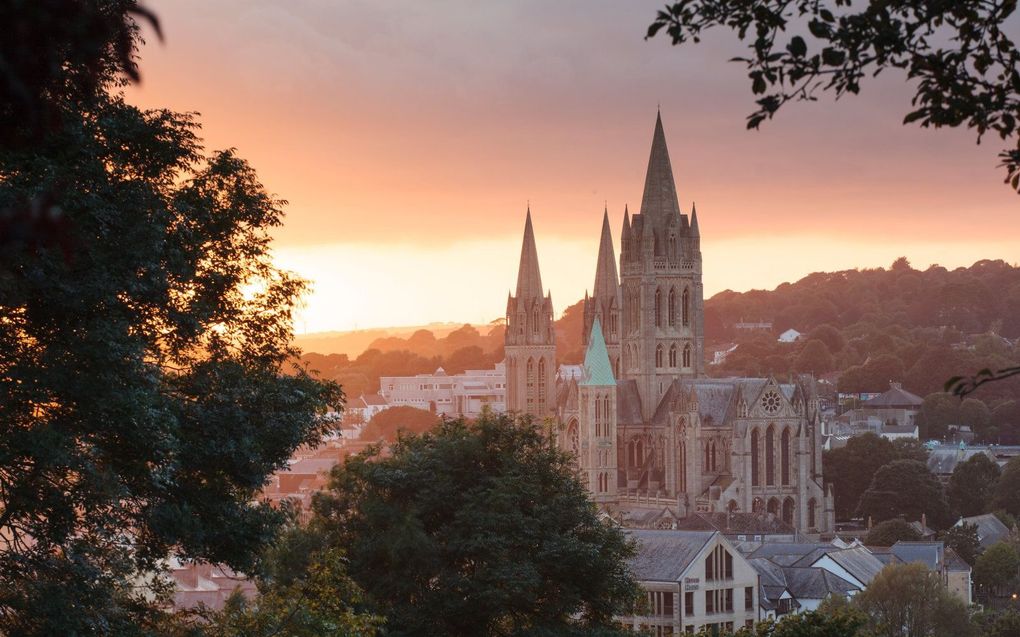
(728, 600)
(709, 602)
(748, 597)
(688, 604)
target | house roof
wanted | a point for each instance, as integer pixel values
(736, 523)
(628, 403)
(664, 556)
(928, 553)
(815, 583)
(859, 562)
(895, 396)
(373, 399)
(943, 460)
(990, 528)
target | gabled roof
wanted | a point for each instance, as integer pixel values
(815, 583)
(628, 403)
(373, 399)
(928, 553)
(598, 371)
(664, 556)
(895, 396)
(990, 528)
(859, 562)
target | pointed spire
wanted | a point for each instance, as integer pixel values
(694, 221)
(659, 203)
(606, 280)
(597, 368)
(529, 279)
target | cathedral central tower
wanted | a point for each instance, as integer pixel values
(661, 291)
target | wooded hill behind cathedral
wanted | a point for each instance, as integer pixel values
(654, 438)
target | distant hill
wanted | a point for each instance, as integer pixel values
(354, 342)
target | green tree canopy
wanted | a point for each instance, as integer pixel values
(964, 540)
(890, 532)
(904, 600)
(849, 469)
(907, 488)
(388, 423)
(147, 392)
(938, 411)
(996, 567)
(815, 358)
(1007, 489)
(972, 486)
(477, 529)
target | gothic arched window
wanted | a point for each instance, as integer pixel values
(687, 355)
(658, 308)
(788, 511)
(541, 385)
(811, 513)
(672, 355)
(784, 455)
(754, 457)
(686, 307)
(770, 455)
(658, 356)
(671, 307)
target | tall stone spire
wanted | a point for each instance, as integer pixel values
(529, 279)
(695, 232)
(607, 282)
(659, 203)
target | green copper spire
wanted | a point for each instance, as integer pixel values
(597, 369)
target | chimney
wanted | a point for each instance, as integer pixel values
(924, 523)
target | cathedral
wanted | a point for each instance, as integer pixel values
(654, 438)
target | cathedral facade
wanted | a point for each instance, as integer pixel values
(654, 438)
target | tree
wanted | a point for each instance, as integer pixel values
(843, 623)
(814, 358)
(905, 600)
(972, 485)
(830, 336)
(998, 623)
(850, 469)
(388, 423)
(323, 601)
(938, 411)
(146, 389)
(477, 529)
(910, 449)
(1007, 489)
(907, 488)
(976, 414)
(960, 55)
(890, 532)
(964, 540)
(996, 568)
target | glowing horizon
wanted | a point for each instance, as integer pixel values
(408, 144)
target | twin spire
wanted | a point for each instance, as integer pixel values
(659, 203)
(529, 278)
(607, 282)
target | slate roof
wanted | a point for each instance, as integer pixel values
(815, 583)
(771, 550)
(954, 562)
(894, 397)
(928, 553)
(990, 529)
(943, 461)
(663, 556)
(598, 371)
(859, 562)
(736, 523)
(374, 399)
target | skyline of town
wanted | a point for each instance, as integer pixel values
(435, 161)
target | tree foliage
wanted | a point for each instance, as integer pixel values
(476, 529)
(907, 488)
(387, 424)
(890, 532)
(1007, 489)
(960, 55)
(963, 539)
(972, 486)
(850, 469)
(146, 390)
(904, 600)
(996, 567)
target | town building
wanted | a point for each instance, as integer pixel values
(365, 406)
(693, 580)
(990, 529)
(651, 433)
(466, 394)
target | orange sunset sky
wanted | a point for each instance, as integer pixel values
(408, 139)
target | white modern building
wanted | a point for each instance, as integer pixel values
(464, 394)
